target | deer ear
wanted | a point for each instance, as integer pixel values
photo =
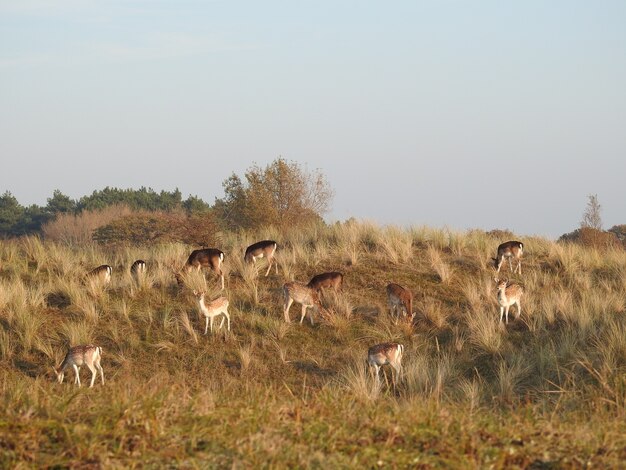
(195, 292)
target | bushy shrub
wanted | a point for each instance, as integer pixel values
(592, 238)
(141, 228)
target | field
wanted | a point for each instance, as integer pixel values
(547, 390)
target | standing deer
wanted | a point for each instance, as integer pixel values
(512, 249)
(101, 274)
(382, 354)
(400, 298)
(303, 294)
(205, 258)
(508, 295)
(332, 279)
(138, 269)
(212, 309)
(262, 249)
(77, 356)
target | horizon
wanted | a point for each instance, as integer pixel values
(441, 114)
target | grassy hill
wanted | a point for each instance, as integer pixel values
(547, 390)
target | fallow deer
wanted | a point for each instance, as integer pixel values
(332, 279)
(78, 356)
(262, 249)
(508, 250)
(138, 269)
(382, 354)
(101, 274)
(400, 298)
(508, 295)
(212, 309)
(205, 258)
(303, 294)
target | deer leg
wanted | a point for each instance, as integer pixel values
(211, 324)
(519, 309)
(94, 374)
(288, 303)
(206, 325)
(77, 375)
(228, 318)
(501, 313)
(101, 371)
(269, 268)
(303, 313)
(222, 323)
(506, 314)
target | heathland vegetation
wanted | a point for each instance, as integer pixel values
(546, 390)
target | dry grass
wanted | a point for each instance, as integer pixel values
(174, 397)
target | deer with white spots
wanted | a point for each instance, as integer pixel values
(303, 294)
(212, 309)
(138, 269)
(508, 295)
(383, 354)
(78, 356)
(101, 274)
(400, 300)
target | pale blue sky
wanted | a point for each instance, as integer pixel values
(485, 114)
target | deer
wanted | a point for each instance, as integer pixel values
(101, 274)
(77, 356)
(382, 354)
(138, 269)
(212, 309)
(508, 295)
(204, 258)
(508, 250)
(401, 298)
(262, 249)
(332, 279)
(303, 294)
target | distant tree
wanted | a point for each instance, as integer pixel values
(11, 212)
(59, 203)
(138, 199)
(195, 205)
(281, 194)
(591, 216)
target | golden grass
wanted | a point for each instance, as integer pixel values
(175, 397)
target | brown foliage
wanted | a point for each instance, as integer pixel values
(159, 227)
(592, 238)
(78, 228)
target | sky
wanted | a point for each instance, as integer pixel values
(482, 114)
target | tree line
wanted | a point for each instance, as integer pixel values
(282, 194)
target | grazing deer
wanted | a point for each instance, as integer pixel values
(382, 354)
(262, 249)
(303, 294)
(332, 279)
(138, 269)
(212, 309)
(512, 249)
(508, 294)
(400, 298)
(205, 258)
(77, 356)
(101, 274)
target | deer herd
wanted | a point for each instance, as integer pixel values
(399, 299)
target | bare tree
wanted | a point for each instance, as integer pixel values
(591, 216)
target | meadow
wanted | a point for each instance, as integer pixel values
(547, 390)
